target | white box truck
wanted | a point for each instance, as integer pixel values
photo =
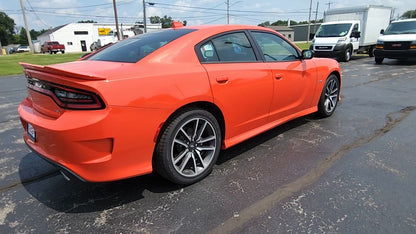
(348, 30)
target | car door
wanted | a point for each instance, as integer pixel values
(242, 86)
(294, 79)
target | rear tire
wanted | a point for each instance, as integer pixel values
(371, 51)
(188, 147)
(329, 97)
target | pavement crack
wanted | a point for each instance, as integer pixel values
(382, 78)
(29, 181)
(260, 207)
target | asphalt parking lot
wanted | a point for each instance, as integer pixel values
(351, 173)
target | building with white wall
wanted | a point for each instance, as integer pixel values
(78, 37)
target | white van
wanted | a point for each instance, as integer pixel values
(350, 29)
(397, 42)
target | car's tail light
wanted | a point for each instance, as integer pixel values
(66, 97)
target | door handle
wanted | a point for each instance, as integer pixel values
(222, 79)
(278, 76)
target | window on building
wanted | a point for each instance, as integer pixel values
(80, 32)
(69, 43)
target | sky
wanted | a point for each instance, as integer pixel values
(46, 14)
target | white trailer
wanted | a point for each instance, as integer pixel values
(351, 29)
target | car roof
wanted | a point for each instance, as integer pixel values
(209, 30)
(403, 20)
(226, 27)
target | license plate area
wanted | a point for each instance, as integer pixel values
(31, 132)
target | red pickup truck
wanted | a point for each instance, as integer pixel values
(52, 47)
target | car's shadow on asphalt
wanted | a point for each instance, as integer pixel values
(51, 188)
(245, 146)
(74, 196)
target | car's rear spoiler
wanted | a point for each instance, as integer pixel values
(57, 71)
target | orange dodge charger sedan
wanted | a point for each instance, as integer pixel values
(168, 101)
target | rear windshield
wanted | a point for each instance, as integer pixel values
(135, 48)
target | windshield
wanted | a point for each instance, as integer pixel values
(333, 30)
(133, 49)
(403, 27)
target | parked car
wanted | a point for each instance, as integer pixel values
(12, 50)
(397, 42)
(52, 47)
(21, 49)
(94, 46)
(169, 101)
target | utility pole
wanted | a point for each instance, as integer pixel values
(29, 39)
(329, 4)
(316, 17)
(309, 22)
(115, 15)
(144, 16)
(228, 11)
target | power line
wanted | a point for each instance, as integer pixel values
(225, 10)
(43, 22)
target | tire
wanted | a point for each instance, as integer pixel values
(50, 51)
(188, 147)
(63, 51)
(329, 97)
(371, 51)
(347, 55)
(379, 60)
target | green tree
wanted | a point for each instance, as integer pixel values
(285, 23)
(22, 37)
(166, 21)
(87, 21)
(6, 29)
(409, 14)
(265, 24)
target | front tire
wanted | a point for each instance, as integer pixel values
(329, 97)
(188, 147)
(378, 60)
(347, 55)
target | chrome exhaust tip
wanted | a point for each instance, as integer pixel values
(67, 177)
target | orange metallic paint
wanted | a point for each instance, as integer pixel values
(118, 141)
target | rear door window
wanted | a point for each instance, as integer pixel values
(231, 47)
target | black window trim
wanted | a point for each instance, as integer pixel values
(299, 53)
(256, 48)
(253, 44)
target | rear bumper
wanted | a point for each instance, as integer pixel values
(395, 54)
(98, 145)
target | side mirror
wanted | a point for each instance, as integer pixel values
(356, 34)
(382, 31)
(307, 54)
